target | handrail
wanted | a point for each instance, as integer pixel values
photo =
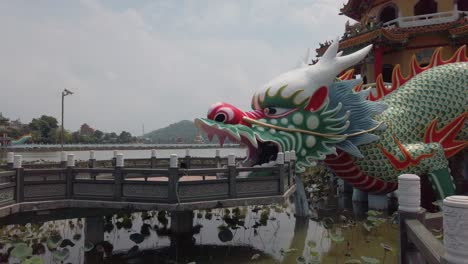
(426, 19)
(430, 247)
(7, 173)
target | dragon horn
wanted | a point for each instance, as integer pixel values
(336, 63)
(304, 62)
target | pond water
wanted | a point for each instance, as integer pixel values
(339, 232)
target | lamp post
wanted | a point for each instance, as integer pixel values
(65, 92)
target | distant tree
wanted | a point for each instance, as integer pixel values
(43, 128)
(98, 134)
(125, 137)
(76, 137)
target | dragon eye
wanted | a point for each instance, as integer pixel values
(276, 112)
(220, 117)
(270, 110)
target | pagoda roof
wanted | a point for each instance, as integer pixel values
(356, 8)
(397, 35)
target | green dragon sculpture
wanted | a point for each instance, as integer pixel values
(368, 139)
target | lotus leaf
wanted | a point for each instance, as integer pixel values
(76, 237)
(374, 213)
(33, 260)
(353, 261)
(369, 260)
(287, 251)
(300, 260)
(54, 241)
(21, 251)
(137, 238)
(61, 254)
(337, 238)
(312, 243)
(225, 234)
(386, 247)
(145, 230)
(88, 246)
(67, 242)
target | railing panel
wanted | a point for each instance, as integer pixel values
(52, 190)
(44, 175)
(145, 190)
(7, 176)
(94, 188)
(203, 172)
(260, 186)
(258, 169)
(96, 176)
(199, 190)
(7, 193)
(146, 171)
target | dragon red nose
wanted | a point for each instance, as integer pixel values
(229, 114)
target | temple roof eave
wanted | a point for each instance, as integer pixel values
(399, 36)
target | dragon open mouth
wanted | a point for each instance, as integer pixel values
(261, 151)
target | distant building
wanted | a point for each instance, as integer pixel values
(399, 30)
(4, 122)
(4, 140)
(16, 124)
(86, 130)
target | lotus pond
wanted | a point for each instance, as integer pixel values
(339, 232)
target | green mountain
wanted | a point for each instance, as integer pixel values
(184, 131)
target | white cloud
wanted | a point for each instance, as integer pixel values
(130, 66)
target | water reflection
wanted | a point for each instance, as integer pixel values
(267, 234)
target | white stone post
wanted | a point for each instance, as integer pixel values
(10, 157)
(293, 155)
(173, 162)
(280, 158)
(119, 161)
(153, 159)
(91, 155)
(409, 193)
(71, 160)
(287, 156)
(455, 210)
(231, 159)
(17, 161)
(63, 156)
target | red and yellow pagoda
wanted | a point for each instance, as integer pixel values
(402, 32)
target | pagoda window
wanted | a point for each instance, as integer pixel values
(462, 5)
(388, 13)
(424, 7)
(387, 70)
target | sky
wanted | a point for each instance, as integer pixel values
(155, 63)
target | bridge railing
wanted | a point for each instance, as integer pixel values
(152, 161)
(170, 185)
(416, 238)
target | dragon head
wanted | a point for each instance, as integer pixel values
(306, 110)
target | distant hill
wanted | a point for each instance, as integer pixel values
(184, 130)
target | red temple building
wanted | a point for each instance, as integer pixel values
(401, 30)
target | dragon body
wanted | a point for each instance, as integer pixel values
(22, 140)
(367, 138)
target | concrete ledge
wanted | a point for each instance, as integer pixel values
(36, 206)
